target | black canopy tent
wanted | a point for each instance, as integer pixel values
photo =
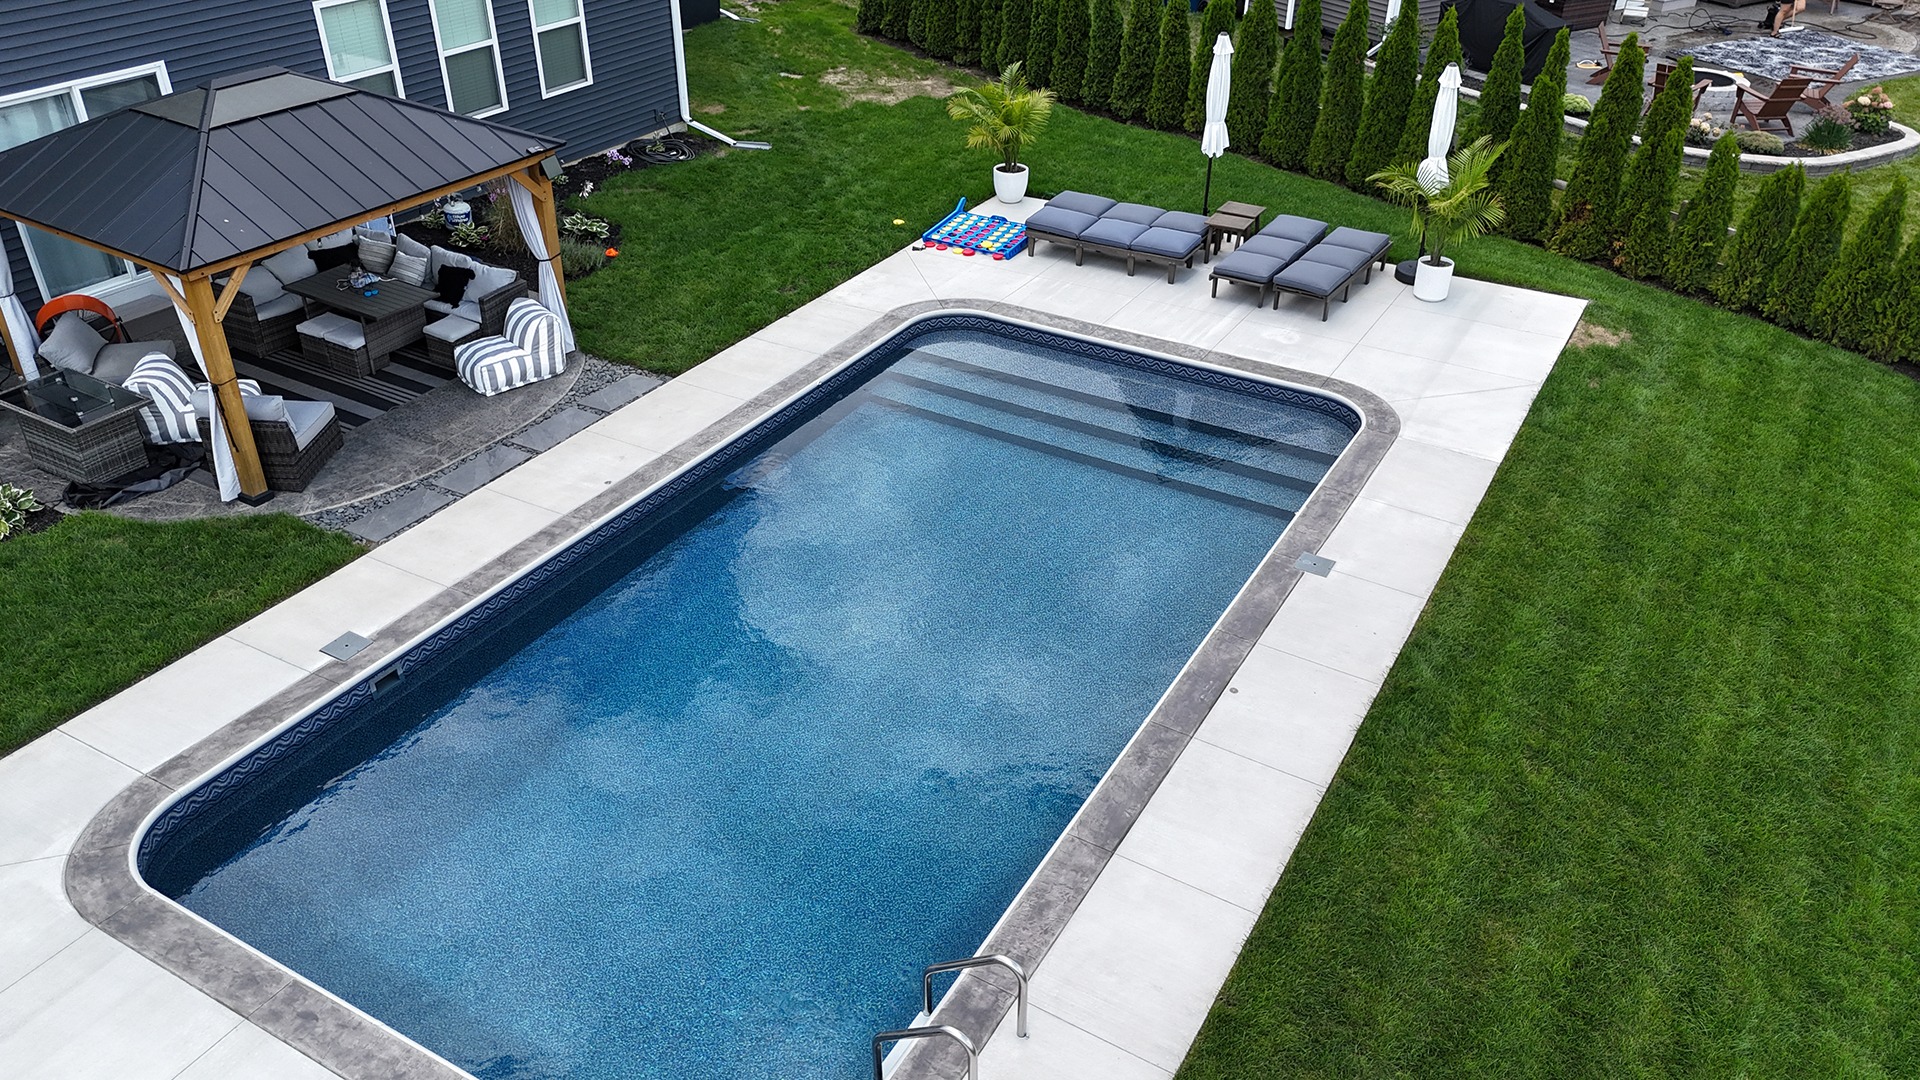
(1484, 22)
(214, 178)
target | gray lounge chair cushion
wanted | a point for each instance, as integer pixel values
(1289, 227)
(1059, 222)
(1169, 243)
(1359, 240)
(1316, 279)
(1112, 233)
(308, 419)
(1182, 221)
(407, 245)
(1133, 211)
(1080, 202)
(1346, 258)
(1273, 247)
(1248, 266)
(115, 362)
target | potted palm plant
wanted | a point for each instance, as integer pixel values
(1004, 116)
(1460, 208)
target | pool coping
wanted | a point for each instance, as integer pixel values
(103, 886)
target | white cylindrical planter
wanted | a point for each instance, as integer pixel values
(1431, 282)
(1010, 187)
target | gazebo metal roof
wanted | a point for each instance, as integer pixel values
(246, 163)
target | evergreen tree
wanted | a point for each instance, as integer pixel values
(1844, 308)
(1070, 49)
(1103, 54)
(1524, 175)
(893, 21)
(1343, 95)
(943, 26)
(917, 11)
(1810, 252)
(1383, 123)
(1693, 257)
(1044, 15)
(1217, 20)
(1500, 94)
(1444, 49)
(1134, 79)
(1584, 220)
(1644, 221)
(1016, 29)
(1167, 105)
(1254, 54)
(988, 53)
(1894, 333)
(966, 31)
(868, 16)
(1295, 109)
(1760, 242)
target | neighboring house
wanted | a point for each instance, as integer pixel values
(596, 73)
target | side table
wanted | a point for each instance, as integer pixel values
(77, 426)
(1221, 224)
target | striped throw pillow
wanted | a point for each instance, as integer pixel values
(168, 414)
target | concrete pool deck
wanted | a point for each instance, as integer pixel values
(1125, 986)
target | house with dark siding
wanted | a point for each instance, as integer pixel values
(597, 73)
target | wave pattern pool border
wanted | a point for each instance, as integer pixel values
(104, 888)
(234, 777)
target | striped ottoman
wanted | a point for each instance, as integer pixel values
(527, 351)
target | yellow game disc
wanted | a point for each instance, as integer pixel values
(899, 221)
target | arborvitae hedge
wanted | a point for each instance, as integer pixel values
(1845, 307)
(1896, 311)
(1295, 109)
(893, 20)
(1070, 50)
(1217, 20)
(1644, 220)
(1810, 252)
(1383, 123)
(1584, 220)
(1500, 94)
(1444, 49)
(943, 27)
(1016, 28)
(917, 11)
(1103, 54)
(1524, 178)
(868, 16)
(1760, 242)
(988, 54)
(1043, 14)
(1693, 255)
(1134, 79)
(1167, 107)
(1254, 54)
(1342, 96)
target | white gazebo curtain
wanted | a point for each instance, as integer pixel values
(19, 328)
(224, 469)
(551, 297)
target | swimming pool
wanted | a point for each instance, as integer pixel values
(789, 729)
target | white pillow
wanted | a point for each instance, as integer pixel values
(72, 344)
(259, 406)
(411, 269)
(487, 279)
(409, 246)
(291, 265)
(441, 257)
(260, 285)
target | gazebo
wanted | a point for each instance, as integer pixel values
(207, 181)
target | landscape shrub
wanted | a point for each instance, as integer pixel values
(1872, 111)
(987, 54)
(1383, 120)
(1584, 219)
(1693, 259)
(1444, 49)
(1016, 29)
(917, 12)
(1845, 307)
(943, 26)
(1103, 54)
(15, 504)
(1758, 142)
(1042, 16)
(1342, 96)
(578, 257)
(1294, 111)
(1070, 49)
(1830, 133)
(1525, 175)
(1810, 253)
(1645, 216)
(1133, 81)
(1760, 242)
(1500, 94)
(1255, 52)
(1702, 131)
(1895, 330)
(1172, 70)
(1572, 104)
(1216, 20)
(893, 19)
(868, 16)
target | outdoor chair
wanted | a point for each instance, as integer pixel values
(1822, 80)
(74, 345)
(1254, 263)
(1772, 109)
(1374, 244)
(1131, 231)
(337, 343)
(1321, 271)
(264, 318)
(1608, 50)
(294, 438)
(1664, 70)
(527, 351)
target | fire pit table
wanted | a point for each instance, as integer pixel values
(76, 426)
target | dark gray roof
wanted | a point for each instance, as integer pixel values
(203, 175)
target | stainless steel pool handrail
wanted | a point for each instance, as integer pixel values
(973, 1055)
(995, 959)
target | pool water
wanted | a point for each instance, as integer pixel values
(706, 809)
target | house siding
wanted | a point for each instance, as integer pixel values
(1333, 12)
(635, 88)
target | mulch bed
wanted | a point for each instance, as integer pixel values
(39, 521)
(1861, 141)
(517, 259)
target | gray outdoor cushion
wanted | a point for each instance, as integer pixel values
(451, 328)
(1183, 221)
(1249, 266)
(335, 328)
(72, 345)
(1081, 202)
(488, 280)
(1060, 222)
(1113, 233)
(1133, 211)
(292, 264)
(271, 408)
(409, 246)
(1273, 247)
(115, 362)
(375, 254)
(1346, 258)
(280, 305)
(465, 309)
(1289, 227)
(307, 418)
(1359, 240)
(411, 269)
(1170, 243)
(439, 257)
(1316, 279)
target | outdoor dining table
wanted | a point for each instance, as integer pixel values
(390, 312)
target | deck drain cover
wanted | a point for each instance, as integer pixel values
(1314, 564)
(346, 646)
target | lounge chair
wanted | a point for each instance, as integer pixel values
(1295, 254)
(1321, 271)
(1255, 262)
(1823, 80)
(1773, 108)
(294, 438)
(1662, 71)
(1608, 51)
(1135, 232)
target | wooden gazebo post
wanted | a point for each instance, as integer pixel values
(206, 312)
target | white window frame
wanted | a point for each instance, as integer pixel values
(586, 49)
(499, 71)
(133, 278)
(393, 53)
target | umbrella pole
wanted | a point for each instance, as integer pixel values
(1207, 194)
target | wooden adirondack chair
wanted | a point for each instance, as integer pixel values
(1662, 70)
(1772, 109)
(1822, 80)
(1608, 50)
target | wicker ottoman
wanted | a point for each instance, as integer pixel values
(336, 343)
(444, 336)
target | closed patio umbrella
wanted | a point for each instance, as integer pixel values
(1213, 135)
(1433, 168)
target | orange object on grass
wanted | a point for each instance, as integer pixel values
(612, 252)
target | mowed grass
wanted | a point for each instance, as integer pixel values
(98, 602)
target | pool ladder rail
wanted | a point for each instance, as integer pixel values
(933, 1030)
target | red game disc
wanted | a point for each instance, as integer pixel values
(939, 247)
(966, 251)
(997, 256)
